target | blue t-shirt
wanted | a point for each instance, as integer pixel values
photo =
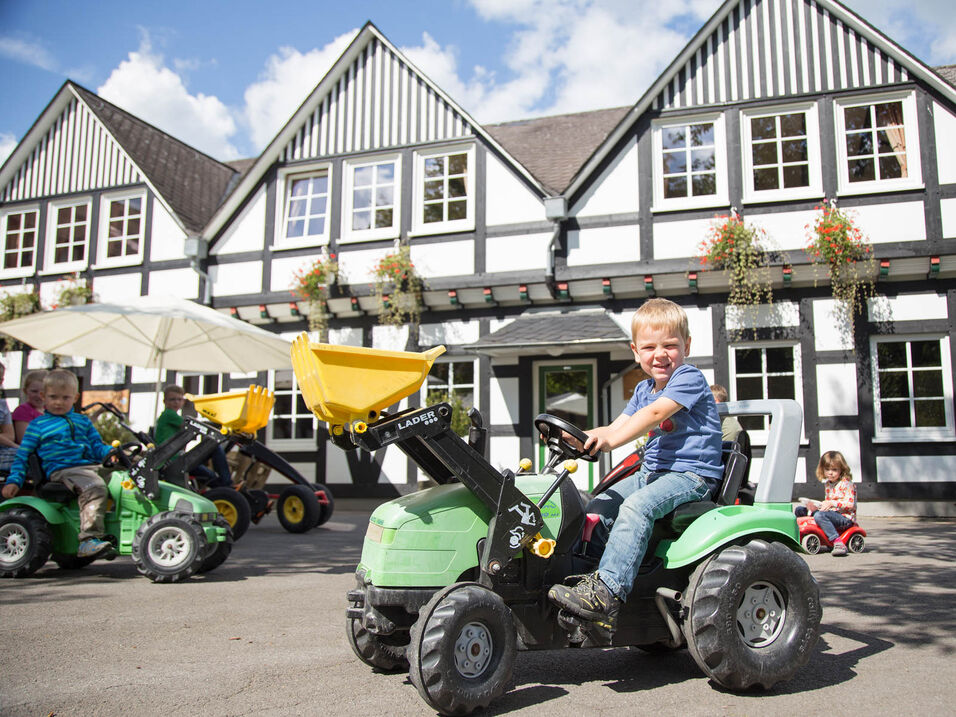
(690, 440)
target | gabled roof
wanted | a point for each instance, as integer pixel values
(322, 125)
(192, 183)
(703, 74)
(571, 329)
(553, 148)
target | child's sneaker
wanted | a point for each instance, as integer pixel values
(839, 550)
(589, 599)
(94, 548)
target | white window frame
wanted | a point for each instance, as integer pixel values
(284, 177)
(914, 434)
(103, 228)
(21, 271)
(348, 234)
(760, 437)
(720, 198)
(812, 122)
(914, 178)
(474, 384)
(419, 227)
(291, 444)
(50, 265)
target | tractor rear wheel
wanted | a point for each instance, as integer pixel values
(25, 543)
(298, 508)
(232, 506)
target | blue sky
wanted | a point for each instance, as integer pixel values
(225, 75)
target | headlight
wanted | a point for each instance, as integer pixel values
(374, 532)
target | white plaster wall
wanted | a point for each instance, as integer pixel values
(779, 313)
(282, 270)
(241, 278)
(948, 210)
(516, 253)
(390, 338)
(13, 361)
(912, 307)
(785, 230)
(182, 283)
(356, 265)
(504, 393)
(394, 466)
(827, 335)
(449, 333)
(167, 238)
(604, 245)
(447, 258)
(700, 325)
(836, 390)
(615, 190)
(921, 469)
(336, 468)
(348, 336)
(904, 221)
(145, 375)
(505, 452)
(143, 409)
(945, 124)
(508, 200)
(247, 231)
(116, 287)
(679, 238)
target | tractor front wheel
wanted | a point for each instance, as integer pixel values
(169, 547)
(462, 650)
(753, 615)
(326, 508)
(298, 508)
(216, 553)
(232, 506)
(25, 543)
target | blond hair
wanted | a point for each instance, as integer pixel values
(31, 377)
(833, 459)
(61, 378)
(720, 393)
(660, 314)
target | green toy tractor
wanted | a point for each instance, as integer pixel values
(171, 533)
(453, 580)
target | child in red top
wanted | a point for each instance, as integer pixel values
(837, 511)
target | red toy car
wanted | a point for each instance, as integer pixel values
(814, 540)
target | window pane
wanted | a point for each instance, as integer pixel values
(134, 205)
(894, 384)
(702, 160)
(763, 128)
(930, 413)
(439, 374)
(927, 384)
(81, 213)
(434, 189)
(132, 227)
(891, 355)
(434, 166)
(297, 207)
(61, 255)
(673, 137)
(748, 388)
(796, 176)
(704, 184)
(889, 114)
(780, 387)
(303, 428)
(13, 222)
(116, 209)
(316, 226)
(464, 372)
(456, 187)
(63, 215)
(432, 213)
(383, 218)
(891, 167)
(675, 162)
(384, 195)
(862, 170)
(859, 144)
(62, 235)
(701, 134)
(766, 179)
(362, 198)
(457, 210)
(793, 125)
(780, 360)
(283, 404)
(385, 173)
(765, 153)
(295, 229)
(748, 360)
(363, 176)
(925, 353)
(675, 187)
(857, 117)
(895, 414)
(795, 150)
(361, 220)
(29, 220)
(458, 164)
(78, 253)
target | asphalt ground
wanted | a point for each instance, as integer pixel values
(264, 635)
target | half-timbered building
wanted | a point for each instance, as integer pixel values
(537, 239)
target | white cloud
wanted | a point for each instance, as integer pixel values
(29, 53)
(287, 80)
(7, 144)
(926, 28)
(145, 87)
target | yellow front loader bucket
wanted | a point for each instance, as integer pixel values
(350, 384)
(240, 411)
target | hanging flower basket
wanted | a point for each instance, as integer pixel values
(398, 288)
(834, 241)
(740, 250)
(311, 283)
(74, 293)
(13, 306)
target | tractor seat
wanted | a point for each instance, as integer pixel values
(55, 492)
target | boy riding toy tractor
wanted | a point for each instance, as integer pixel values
(453, 580)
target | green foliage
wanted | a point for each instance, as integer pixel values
(398, 288)
(13, 306)
(73, 294)
(460, 422)
(110, 429)
(311, 283)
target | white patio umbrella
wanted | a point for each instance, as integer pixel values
(153, 332)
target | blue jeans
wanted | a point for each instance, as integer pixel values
(832, 523)
(221, 477)
(628, 511)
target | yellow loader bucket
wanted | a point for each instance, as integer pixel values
(350, 384)
(241, 411)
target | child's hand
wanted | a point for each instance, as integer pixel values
(597, 441)
(10, 490)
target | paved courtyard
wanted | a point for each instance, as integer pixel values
(264, 635)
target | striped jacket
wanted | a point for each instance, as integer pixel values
(60, 442)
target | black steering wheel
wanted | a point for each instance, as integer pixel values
(553, 430)
(124, 455)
